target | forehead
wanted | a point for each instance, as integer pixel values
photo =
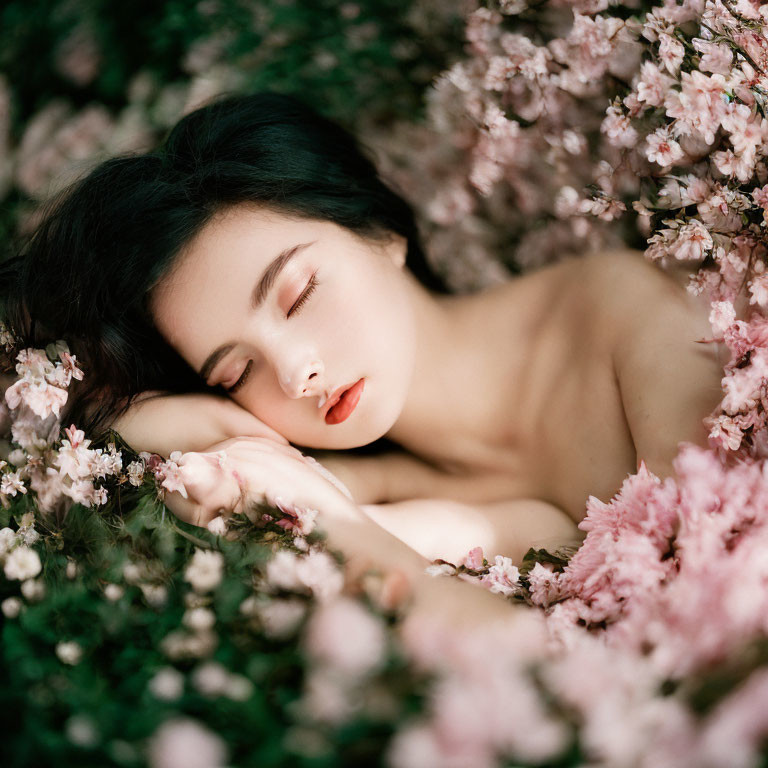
(239, 238)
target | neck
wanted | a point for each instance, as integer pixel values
(471, 355)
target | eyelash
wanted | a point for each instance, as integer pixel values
(313, 283)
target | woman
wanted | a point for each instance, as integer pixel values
(253, 283)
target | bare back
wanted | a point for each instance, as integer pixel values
(564, 432)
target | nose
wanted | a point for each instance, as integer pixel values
(302, 380)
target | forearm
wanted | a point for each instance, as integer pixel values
(162, 423)
(400, 476)
(447, 529)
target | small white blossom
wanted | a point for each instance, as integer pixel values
(210, 679)
(81, 731)
(132, 573)
(199, 619)
(185, 743)
(440, 569)
(23, 563)
(11, 484)
(155, 594)
(218, 526)
(11, 607)
(69, 652)
(33, 590)
(239, 688)
(113, 592)
(167, 684)
(205, 570)
(135, 472)
(7, 540)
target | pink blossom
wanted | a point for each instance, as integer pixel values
(342, 634)
(171, 476)
(652, 85)
(721, 316)
(734, 732)
(760, 196)
(671, 53)
(692, 243)
(662, 148)
(758, 289)
(716, 57)
(618, 128)
(503, 577)
(699, 106)
(11, 484)
(474, 559)
(42, 398)
(544, 585)
(725, 432)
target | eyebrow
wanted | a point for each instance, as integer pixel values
(258, 297)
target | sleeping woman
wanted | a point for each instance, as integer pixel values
(252, 292)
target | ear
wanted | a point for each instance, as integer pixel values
(396, 249)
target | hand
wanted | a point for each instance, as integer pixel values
(234, 474)
(362, 475)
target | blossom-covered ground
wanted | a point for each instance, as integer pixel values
(130, 638)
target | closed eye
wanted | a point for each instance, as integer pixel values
(308, 291)
(243, 376)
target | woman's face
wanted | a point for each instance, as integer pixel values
(333, 310)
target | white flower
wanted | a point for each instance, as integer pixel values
(440, 569)
(11, 607)
(23, 563)
(218, 526)
(279, 618)
(69, 652)
(199, 618)
(113, 592)
(11, 484)
(205, 570)
(185, 743)
(211, 679)
(503, 577)
(33, 589)
(154, 594)
(81, 731)
(135, 472)
(239, 688)
(7, 540)
(167, 684)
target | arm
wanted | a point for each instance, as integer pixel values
(447, 529)
(261, 469)
(401, 476)
(161, 423)
(668, 381)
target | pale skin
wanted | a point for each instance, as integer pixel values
(512, 405)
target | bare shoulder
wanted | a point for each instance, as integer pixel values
(632, 294)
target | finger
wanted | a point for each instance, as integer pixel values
(209, 482)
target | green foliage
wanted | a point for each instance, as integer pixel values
(342, 57)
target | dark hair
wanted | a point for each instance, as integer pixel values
(85, 273)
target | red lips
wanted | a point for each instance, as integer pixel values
(343, 402)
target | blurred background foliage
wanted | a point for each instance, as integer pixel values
(82, 80)
(85, 79)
